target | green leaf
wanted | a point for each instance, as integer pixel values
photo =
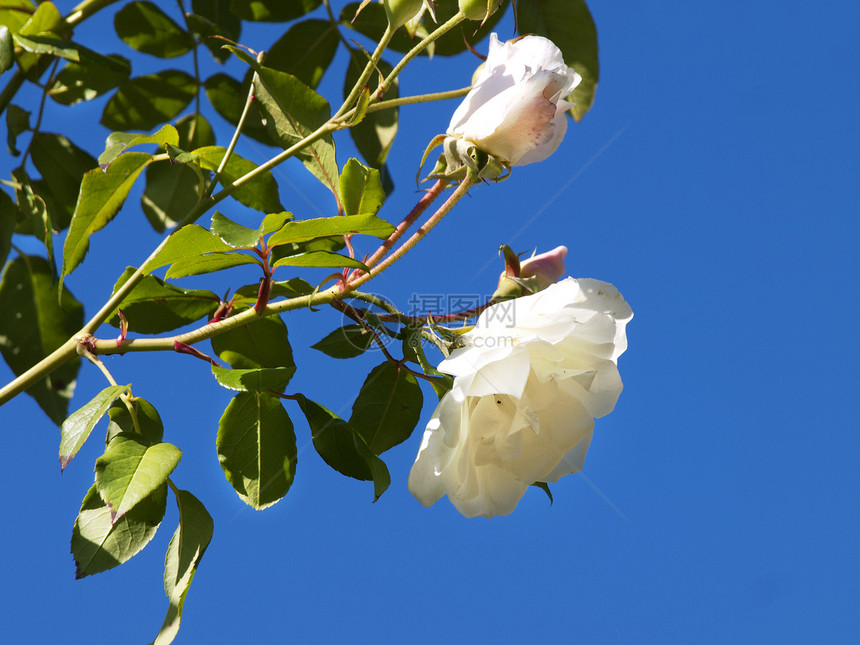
(257, 448)
(184, 552)
(311, 229)
(146, 28)
(7, 50)
(188, 242)
(254, 380)
(102, 195)
(34, 324)
(194, 132)
(360, 188)
(272, 10)
(148, 420)
(319, 259)
(131, 469)
(375, 134)
(34, 213)
(154, 306)
(88, 79)
(262, 343)
(228, 97)
(14, 14)
(208, 264)
(388, 407)
(214, 18)
(342, 448)
(260, 193)
(348, 341)
(567, 23)
(119, 142)
(62, 165)
(292, 111)
(545, 488)
(305, 50)
(17, 122)
(99, 544)
(77, 428)
(8, 214)
(172, 190)
(144, 102)
(242, 237)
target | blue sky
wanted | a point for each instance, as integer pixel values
(715, 184)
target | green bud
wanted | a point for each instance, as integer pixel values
(400, 12)
(479, 9)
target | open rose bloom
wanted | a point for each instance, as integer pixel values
(516, 109)
(530, 379)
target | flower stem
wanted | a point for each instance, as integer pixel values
(416, 237)
(368, 70)
(408, 221)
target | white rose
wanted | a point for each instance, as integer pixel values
(533, 375)
(516, 109)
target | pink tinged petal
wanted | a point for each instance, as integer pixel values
(528, 124)
(548, 266)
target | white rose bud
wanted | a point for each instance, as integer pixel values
(533, 375)
(516, 109)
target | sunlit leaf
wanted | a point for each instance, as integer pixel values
(310, 229)
(98, 544)
(154, 306)
(360, 188)
(208, 264)
(319, 259)
(184, 552)
(188, 242)
(33, 324)
(77, 428)
(238, 236)
(119, 142)
(102, 195)
(146, 101)
(146, 28)
(7, 49)
(342, 448)
(254, 380)
(568, 23)
(387, 408)
(131, 469)
(148, 420)
(260, 344)
(260, 193)
(257, 448)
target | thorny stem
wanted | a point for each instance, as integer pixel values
(408, 221)
(416, 237)
(67, 351)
